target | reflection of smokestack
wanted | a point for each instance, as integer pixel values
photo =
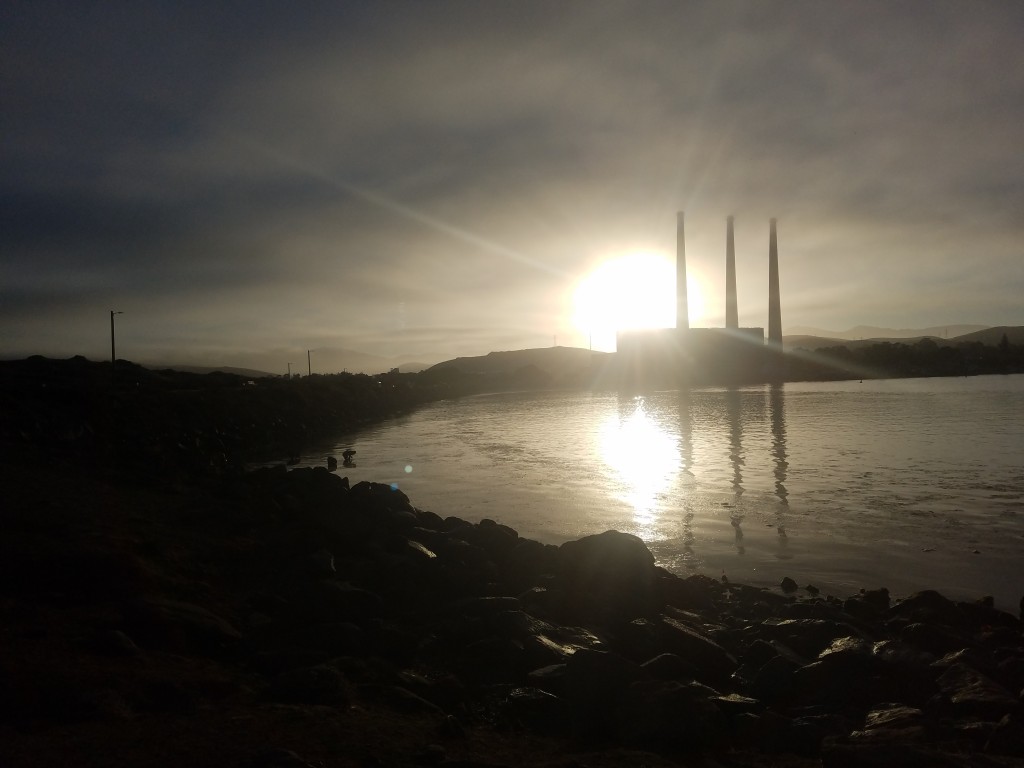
(731, 312)
(682, 310)
(774, 304)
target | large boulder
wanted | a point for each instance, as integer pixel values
(608, 578)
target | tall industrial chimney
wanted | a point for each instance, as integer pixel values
(731, 312)
(774, 303)
(682, 310)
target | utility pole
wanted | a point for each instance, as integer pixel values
(290, 369)
(113, 354)
(309, 365)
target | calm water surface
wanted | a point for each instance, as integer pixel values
(908, 483)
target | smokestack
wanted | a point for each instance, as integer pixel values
(731, 311)
(682, 310)
(774, 303)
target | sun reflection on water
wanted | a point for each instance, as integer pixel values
(645, 459)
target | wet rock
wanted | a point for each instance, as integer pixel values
(788, 585)
(807, 637)
(712, 661)
(967, 692)
(734, 704)
(537, 710)
(668, 666)
(932, 638)
(846, 677)
(893, 716)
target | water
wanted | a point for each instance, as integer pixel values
(909, 484)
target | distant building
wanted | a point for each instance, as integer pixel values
(670, 356)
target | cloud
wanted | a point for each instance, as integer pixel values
(246, 175)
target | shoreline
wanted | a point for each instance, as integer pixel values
(170, 610)
(323, 615)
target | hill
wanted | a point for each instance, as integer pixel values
(551, 365)
(862, 332)
(993, 336)
(990, 337)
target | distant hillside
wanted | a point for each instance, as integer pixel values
(993, 336)
(988, 336)
(821, 342)
(248, 373)
(556, 363)
(874, 332)
(324, 360)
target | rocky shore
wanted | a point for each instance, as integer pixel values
(288, 619)
(174, 611)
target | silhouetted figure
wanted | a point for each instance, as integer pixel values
(332, 463)
(346, 456)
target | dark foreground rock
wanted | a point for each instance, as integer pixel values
(286, 618)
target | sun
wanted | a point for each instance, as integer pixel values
(629, 292)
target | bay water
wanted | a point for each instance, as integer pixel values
(903, 483)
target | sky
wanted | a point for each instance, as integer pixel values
(426, 180)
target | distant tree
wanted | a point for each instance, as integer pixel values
(1004, 344)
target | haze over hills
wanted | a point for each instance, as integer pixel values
(990, 336)
(875, 332)
(276, 362)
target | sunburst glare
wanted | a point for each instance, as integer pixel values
(631, 292)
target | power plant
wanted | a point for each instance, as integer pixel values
(668, 356)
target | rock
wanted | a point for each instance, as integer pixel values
(639, 639)
(967, 692)
(893, 716)
(594, 683)
(403, 700)
(277, 758)
(928, 607)
(537, 710)
(379, 497)
(734, 704)
(852, 676)
(788, 585)
(114, 642)
(774, 681)
(713, 663)
(933, 638)
(691, 593)
(609, 577)
(668, 666)
(1008, 736)
(319, 684)
(669, 714)
(331, 600)
(181, 626)
(877, 598)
